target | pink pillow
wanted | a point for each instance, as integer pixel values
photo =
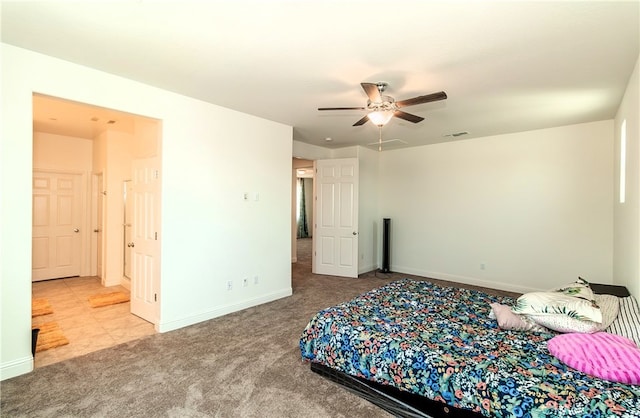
(509, 320)
(607, 356)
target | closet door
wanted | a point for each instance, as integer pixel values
(56, 224)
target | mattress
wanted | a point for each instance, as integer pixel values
(441, 343)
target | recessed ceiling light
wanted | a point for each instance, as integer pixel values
(328, 139)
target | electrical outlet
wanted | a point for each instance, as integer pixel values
(229, 285)
(483, 266)
(255, 280)
(245, 282)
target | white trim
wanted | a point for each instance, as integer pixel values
(224, 310)
(623, 161)
(474, 281)
(16, 367)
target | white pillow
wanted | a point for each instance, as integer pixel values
(580, 289)
(555, 303)
(564, 323)
(570, 308)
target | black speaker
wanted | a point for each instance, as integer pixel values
(386, 223)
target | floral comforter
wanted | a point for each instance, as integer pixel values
(439, 342)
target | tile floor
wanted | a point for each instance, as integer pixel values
(87, 329)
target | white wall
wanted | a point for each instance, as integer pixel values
(533, 207)
(59, 152)
(626, 267)
(210, 235)
(310, 152)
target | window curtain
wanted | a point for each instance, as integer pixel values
(303, 228)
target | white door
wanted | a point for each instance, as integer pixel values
(335, 238)
(57, 218)
(145, 244)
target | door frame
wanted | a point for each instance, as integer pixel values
(88, 263)
(97, 210)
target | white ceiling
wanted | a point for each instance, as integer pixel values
(507, 66)
(69, 118)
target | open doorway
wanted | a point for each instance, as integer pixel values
(302, 209)
(98, 148)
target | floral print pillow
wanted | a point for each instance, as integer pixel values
(570, 308)
(580, 289)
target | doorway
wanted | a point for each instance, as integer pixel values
(99, 145)
(303, 182)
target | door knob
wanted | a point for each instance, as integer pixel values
(355, 233)
(96, 230)
(76, 230)
(131, 244)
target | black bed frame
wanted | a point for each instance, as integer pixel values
(397, 402)
(410, 405)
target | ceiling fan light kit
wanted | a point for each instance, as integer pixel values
(382, 108)
(380, 117)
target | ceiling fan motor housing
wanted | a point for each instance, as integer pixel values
(387, 103)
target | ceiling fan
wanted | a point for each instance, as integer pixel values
(382, 108)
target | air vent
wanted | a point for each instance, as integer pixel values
(456, 134)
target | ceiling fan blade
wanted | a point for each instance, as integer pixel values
(341, 108)
(407, 116)
(362, 121)
(372, 92)
(434, 97)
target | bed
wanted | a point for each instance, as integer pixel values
(418, 349)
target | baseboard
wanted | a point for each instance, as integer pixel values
(17, 367)
(367, 269)
(225, 310)
(126, 283)
(474, 281)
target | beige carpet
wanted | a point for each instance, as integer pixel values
(40, 306)
(245, 364)
(50, 336)
(106, 299)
